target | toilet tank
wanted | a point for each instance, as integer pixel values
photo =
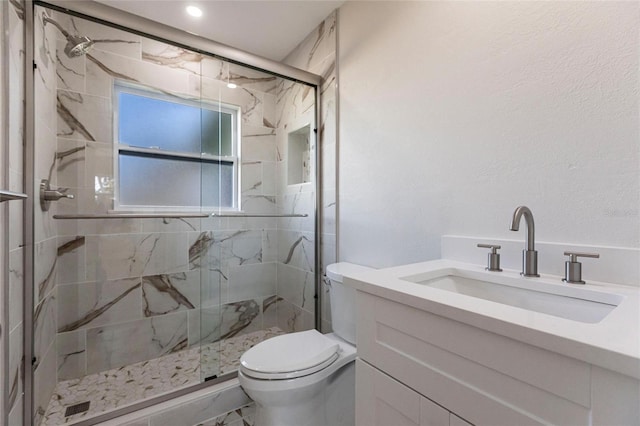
(343, 300)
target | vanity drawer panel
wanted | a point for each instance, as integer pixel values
(491, 378)
(382, 401)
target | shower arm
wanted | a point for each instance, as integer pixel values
(47, 20)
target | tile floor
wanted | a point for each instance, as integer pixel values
(133, 383)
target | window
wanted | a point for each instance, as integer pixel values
(174, 153)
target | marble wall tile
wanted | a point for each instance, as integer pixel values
(15, 415)
(163, 294)
(70, 71)
(84, 117)
(296, 286)
(294, 104)
(15, 374)
(103, 68)
(126, 343)
(200, 244)
(171, 225)
(296, 249)
(170, 56)
(97, 227)
(71, 259)
(292, 319)
(251, 79)
(44, 326)
(16, 230)
(70, 163)
(87, 200)
(214, 287)
(269, 178)
(72, 355)
(236, 248)
(269, 245)
(249, 281)
(316, 46)
(270, 311)
(16, 86)
(250, 102)
(106, 38)
(265, 204)
(258, 143)
(329, 210)
(214, 68)
(46, 255)
(134, 255)
(209, 325)
(45, 72)
(94, 304)
(297, 203)
(99, 164)
(16, 288)
(251, 178)
(44, 382)
(269, 118)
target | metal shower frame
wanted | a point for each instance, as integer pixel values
(107, 15)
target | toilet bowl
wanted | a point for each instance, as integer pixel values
(307, 378)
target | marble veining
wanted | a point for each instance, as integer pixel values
(162, 294)
(132, 383)
(74, 125)
(19, 8)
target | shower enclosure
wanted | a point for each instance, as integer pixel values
(173, 216)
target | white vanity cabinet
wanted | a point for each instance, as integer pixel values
(383, 401)
(419, 368)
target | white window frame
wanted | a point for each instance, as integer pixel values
(212, 105)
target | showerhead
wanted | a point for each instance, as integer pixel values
(77, 45)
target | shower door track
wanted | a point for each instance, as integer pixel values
(116, 18)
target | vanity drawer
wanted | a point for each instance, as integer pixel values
(383, 401)
(486, 378)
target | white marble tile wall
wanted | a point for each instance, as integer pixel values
(13, 331)
(316, 53)
(45, 230)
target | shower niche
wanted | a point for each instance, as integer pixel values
(299, 155)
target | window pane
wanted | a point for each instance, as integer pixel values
(148, 122)
(148, 181)
(217, 184)
(216, 133)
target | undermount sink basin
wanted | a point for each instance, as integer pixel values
(563, 301)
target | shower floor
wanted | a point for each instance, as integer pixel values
(133, 383)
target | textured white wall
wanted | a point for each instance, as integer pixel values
(454, 113)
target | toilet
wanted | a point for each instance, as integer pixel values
(307, 378)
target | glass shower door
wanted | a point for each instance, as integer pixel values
(118, 280)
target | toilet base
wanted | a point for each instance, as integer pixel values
(330, 402)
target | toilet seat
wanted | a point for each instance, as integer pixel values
(290, 356)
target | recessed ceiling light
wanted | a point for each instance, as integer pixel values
(194, 11)
(231, 85)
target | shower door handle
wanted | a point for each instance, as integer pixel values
(10, 195)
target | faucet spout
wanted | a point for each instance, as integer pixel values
(529, 254)
(528, 219)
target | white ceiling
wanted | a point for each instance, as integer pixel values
(267, 28)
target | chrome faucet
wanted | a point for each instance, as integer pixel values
(529, 255)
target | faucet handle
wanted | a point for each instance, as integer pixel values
(493, 258)
(573, 268)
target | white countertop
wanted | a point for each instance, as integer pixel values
(613, 343)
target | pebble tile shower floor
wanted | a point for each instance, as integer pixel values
(123, 386)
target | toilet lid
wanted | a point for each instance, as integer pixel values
(290, 355)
